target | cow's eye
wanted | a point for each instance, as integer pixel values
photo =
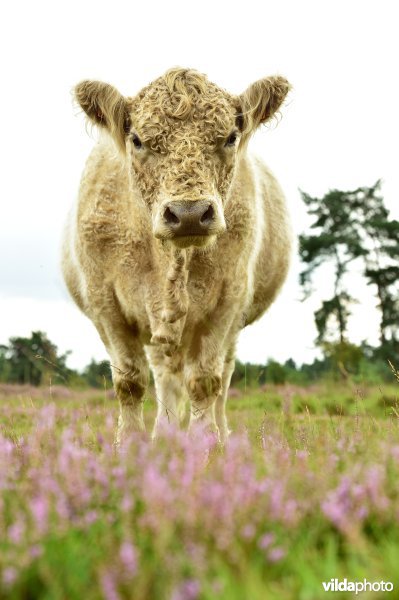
(137, 142)
(231, 140)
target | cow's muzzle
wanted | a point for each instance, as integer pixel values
(189, 219)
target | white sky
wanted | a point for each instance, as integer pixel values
(339, 130)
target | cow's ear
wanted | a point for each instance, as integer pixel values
(105, 107)
(261, 101)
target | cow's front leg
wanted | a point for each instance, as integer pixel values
(209, 364)
(204, 383)
(130, 378)
(129, 369)
(203, 418)
(169, 388)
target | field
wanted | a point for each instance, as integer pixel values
(305, 490)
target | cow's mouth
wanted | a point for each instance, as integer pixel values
(198, 241)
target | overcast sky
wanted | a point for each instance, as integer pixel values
(340, 129)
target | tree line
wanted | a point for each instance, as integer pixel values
(35, 360)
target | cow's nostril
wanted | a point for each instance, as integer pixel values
(170, 217)
(208, 216)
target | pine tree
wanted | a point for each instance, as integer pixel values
(336, 241)
(348, 226)
(381, 258)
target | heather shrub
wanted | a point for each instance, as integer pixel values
(289, 501)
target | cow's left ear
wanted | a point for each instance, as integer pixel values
(261, 101)
(105, 107)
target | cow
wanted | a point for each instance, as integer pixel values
(180, 238)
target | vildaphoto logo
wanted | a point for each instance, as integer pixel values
(335, 585)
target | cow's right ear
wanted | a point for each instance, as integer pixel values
(261, 101)
(105, 107)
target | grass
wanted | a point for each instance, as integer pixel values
(305, 491)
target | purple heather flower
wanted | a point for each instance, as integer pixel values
(266, 541)
(109, 586)
(9, 576)
(35, 551)
(276, 554)
(395, 452)
(47, 416)
(39, 508)
(6, 447)
(248, 531)
(128, 556)
(16, 531)
(91, 517)
(127, 503)
(334, 511)
(187, 590)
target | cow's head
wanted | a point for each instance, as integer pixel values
(181, 135)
